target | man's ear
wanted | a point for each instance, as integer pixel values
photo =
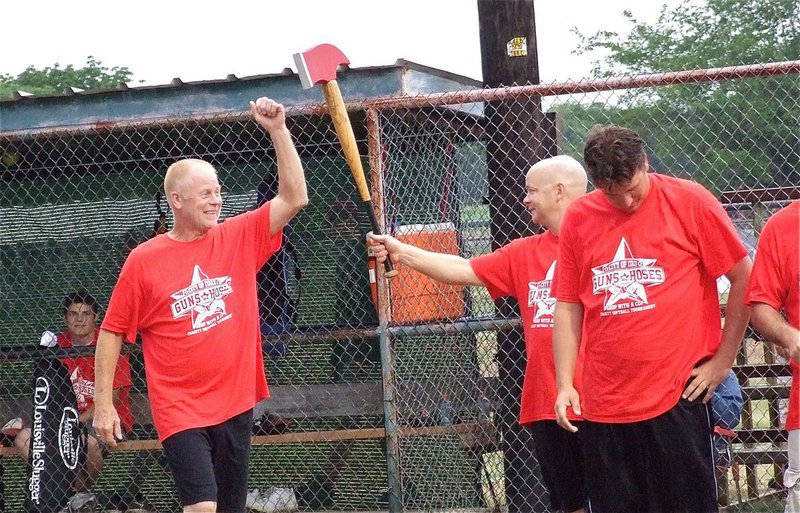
(175, 201)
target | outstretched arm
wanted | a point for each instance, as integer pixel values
(451, 269)
(292, 193)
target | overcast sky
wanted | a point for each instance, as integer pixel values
(160, 40)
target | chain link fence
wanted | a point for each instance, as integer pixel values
(397, 394)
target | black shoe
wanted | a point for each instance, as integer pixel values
(269, 424)
(82, 502)
(140, 505)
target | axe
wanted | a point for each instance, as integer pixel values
(318, 66)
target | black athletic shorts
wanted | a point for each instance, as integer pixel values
(660, 465)
(561, 460)
(211, 463)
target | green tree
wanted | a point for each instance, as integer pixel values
(726, 134)
(707, 34)
(54, 79)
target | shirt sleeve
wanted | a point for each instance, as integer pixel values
(566, 282)
(719, 245)
(495, 271)
(767, 284)
(254, 226)
(122, 314)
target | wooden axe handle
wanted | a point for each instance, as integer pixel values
(344, 131)
(347, 139)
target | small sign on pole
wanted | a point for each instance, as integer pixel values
(517, 47)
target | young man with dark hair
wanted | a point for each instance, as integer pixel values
(524, 269)
(80, 311)
(636, 289)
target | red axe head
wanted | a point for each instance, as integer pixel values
(318, 65)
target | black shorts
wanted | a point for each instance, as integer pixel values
(211, 463)
(561, 460)
(659, 465)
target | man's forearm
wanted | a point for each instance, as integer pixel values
(108, 348)
(774, 327)
(291, 179)
(88, 413)
(442, 267)
(566, 341)
(737, 314)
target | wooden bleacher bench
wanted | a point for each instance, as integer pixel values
(753, 196)
(295, 403)
(748, 456)
(762, 370)
(760, 436)
(469, 429)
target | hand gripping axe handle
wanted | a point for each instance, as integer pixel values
(318, 66)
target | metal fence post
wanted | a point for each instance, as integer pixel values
(387, 353)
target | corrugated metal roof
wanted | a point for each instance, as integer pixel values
(177, 82)
(126, 103)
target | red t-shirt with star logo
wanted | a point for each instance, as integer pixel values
(776, 282)
(195, 305)
(81, 373)
(647, 283)
(524, 269)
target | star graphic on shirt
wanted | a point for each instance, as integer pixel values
(539, 294)
(203, 299)
(624, 278)
(202, 312)
(83, 388)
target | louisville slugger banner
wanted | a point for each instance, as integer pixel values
(56, 444)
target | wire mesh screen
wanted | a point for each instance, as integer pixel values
(398, 394)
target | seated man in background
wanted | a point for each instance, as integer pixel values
(80, 315)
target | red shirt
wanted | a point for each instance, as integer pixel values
(776, 282)
(81, 373)
(524, 269)
(647, 283)
(195, 305)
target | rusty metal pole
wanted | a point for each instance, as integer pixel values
(515, 140)
(392, 439)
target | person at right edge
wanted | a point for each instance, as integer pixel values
(775, 286)
(636, 286)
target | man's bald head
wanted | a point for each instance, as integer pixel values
(179, 176)
(195, 197)
(564, 170)
(550, 186)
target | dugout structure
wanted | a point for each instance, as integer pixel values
(82, 186)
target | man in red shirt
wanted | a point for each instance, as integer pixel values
(775, 286)
(524, 269)
(636, 290)
(80, 315)
(191, 293)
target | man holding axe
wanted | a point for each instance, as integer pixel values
(524, 269)
(318, 65)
